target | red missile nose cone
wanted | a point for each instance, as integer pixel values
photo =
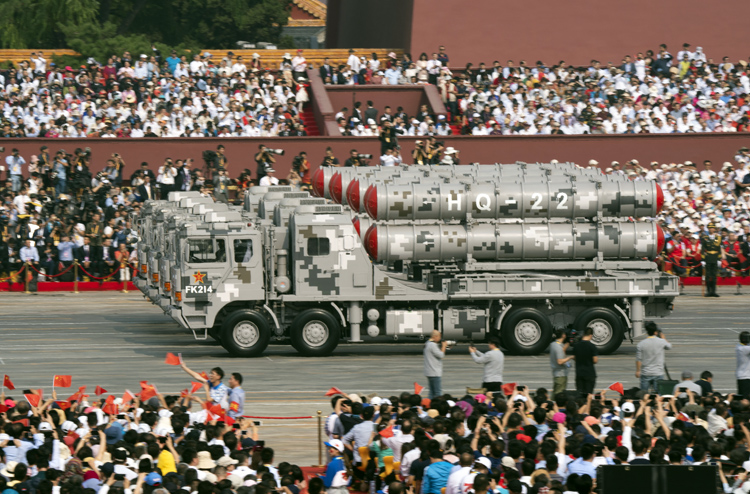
(355, 222)
(352, 195)
(371, 202)
(659, 199)
(371, 242)
(660, 240)
(318, 182)
(334, 188)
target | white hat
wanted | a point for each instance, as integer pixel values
(225, 461)
(68, 426)
(450, 150)
(593, 162)
(483, 460)
(336, 444)
(45, 426)
(628, 407)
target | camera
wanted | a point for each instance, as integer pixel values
(279, 152)
(450, 342)
(2, 149)
(365, 156)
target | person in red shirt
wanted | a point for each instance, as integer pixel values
(692, 246)
(733, 252)
(676, 254)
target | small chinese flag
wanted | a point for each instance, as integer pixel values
(172, 359)
(617, 387)
(148, 391)
(196, 387)
(3, 408)
(387, 432)
(64, 405)
(62, 381)
(33, 399)
(417, 388)
(24, 422)
(127, 397)
(204, 375)
(334, 391)
(508, 388)
(99, 391)
(110, 409)
(210, 417)
(39, 392)
(8, 383)
(110, 399)
(228, 420)
(184, 393)
(78, 396)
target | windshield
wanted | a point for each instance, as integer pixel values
(206, 250)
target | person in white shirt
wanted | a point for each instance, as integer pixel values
(299, 65)
(269, 179)
(354, 66)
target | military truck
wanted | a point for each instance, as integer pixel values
(306, 277)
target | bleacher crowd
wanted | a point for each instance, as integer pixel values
(140, 95)
(651, 93)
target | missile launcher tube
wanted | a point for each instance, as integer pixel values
(420, 243)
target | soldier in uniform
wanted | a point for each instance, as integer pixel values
(712, 253)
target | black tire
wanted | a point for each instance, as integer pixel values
(245, 333)
(215, 333)
(315, 333)
(526, 331)
(607, 326)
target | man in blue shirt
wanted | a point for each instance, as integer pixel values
(436, 475)
(217, 391)
(336, 478)
(16, 448)
(173, 61)
(236, 396)
(584, 465)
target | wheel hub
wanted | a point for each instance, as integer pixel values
(315, 333)
(528, 332)
(246, 334)
(602, 331)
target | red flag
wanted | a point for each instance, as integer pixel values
(64, 405)
(334, 391)
(508, 388)
(617, 387)
(204, 375)
(33, 399)
(3, 408)
(110, 399)
(39, 392)
(196, 387)
(110, 409)
(417, 388)
(8, 383)
(62, 381)
(99, 391)
(127, 397)
(210, 417)
(387, 432)
(172, 359)
(24, 422)
(78, 396)
(228, 420)
(148, 391)
(184, 393)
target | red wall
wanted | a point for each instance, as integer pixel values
(240, 151)
(551, 30)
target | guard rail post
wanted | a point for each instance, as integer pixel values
(320, 438)
(26, 276)
(75, 276)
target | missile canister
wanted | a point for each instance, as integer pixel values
(513, 242)
(561, 198)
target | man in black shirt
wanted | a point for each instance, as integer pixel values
(586, 356)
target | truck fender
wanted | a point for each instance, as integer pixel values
(273, 316)
(341, 314)
(503, 313)
(624, 316)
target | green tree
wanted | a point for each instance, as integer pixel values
(109, 26)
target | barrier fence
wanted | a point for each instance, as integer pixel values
(30, 269)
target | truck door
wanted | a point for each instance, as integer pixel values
(207, 268)
(246, 276)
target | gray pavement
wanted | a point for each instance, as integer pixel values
(115, 340)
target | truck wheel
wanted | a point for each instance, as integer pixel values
(607, 327)
(315, 333)
(526, 332)
(245, 333)
(215, 333)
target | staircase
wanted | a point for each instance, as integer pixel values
(308, 119)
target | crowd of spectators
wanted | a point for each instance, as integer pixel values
(508, 441)
(146, 95)
(652, 93)
(66, 210)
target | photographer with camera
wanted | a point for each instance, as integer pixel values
(330, 159)
(493, 361)
(421, 153)
(356, 159)
(166, 178)
(301, 166)
(265, 160)
(649, 357)
(559, 362)
(221, 186)
(434, 352)
(388, 137)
